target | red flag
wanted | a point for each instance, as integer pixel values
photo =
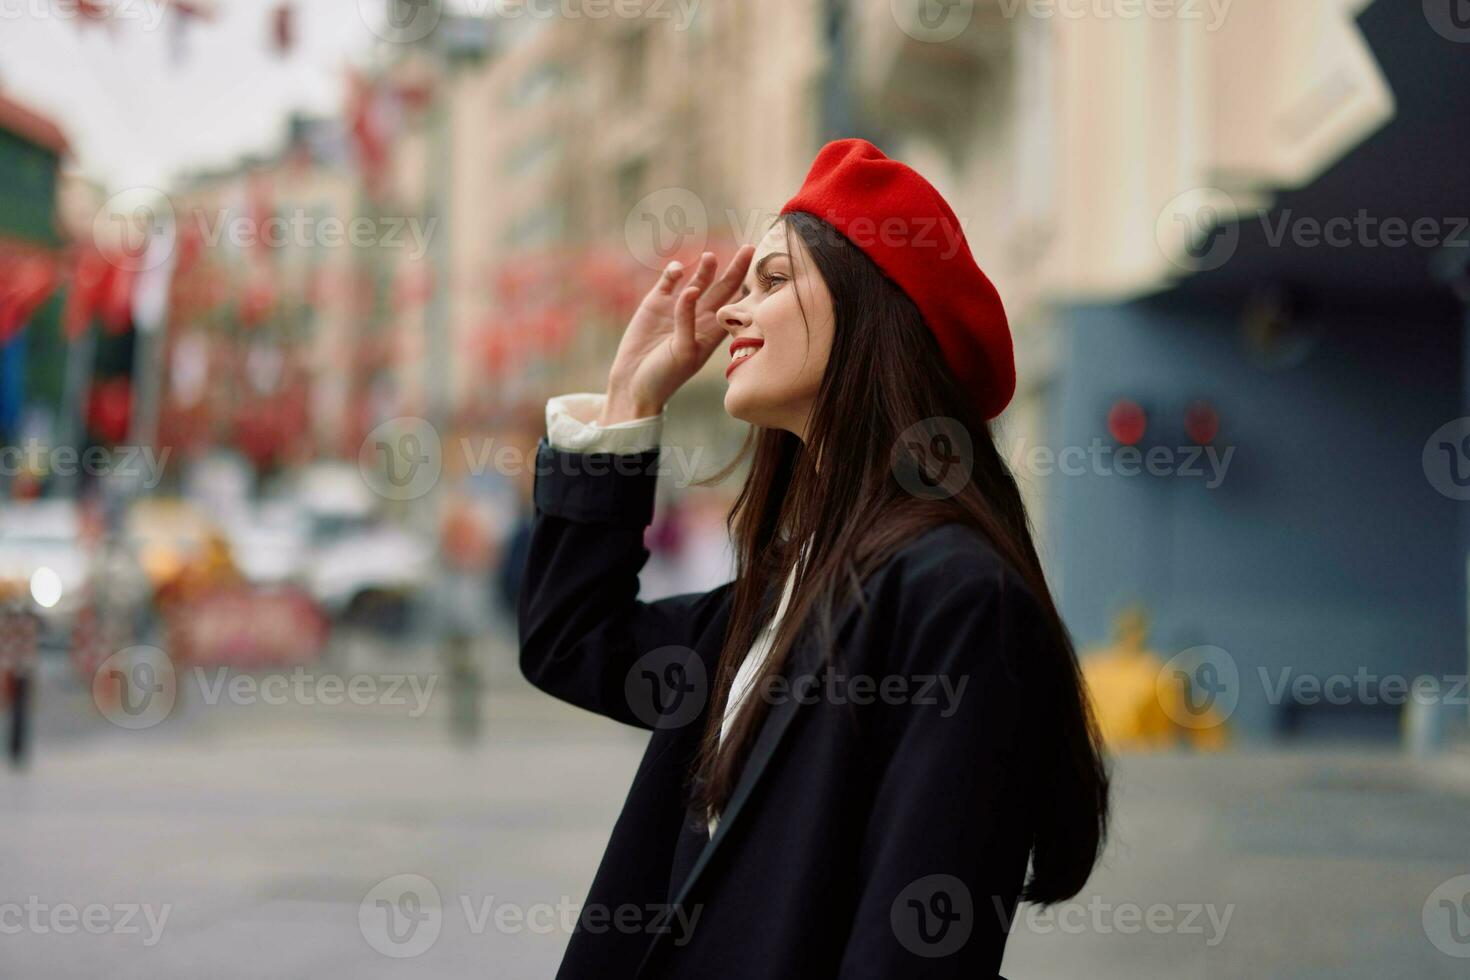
(23, 288)
(90, 281)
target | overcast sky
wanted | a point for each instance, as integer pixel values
(134, 117)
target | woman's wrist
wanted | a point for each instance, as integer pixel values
(621, 406)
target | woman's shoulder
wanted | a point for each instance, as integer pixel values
(948, 572)
(943, 598)
(953, 559)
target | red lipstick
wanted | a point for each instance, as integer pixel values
(741, 344)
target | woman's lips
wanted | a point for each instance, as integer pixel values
(738, 346)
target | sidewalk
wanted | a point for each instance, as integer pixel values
(261, 830)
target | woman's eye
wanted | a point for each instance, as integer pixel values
(769, 281)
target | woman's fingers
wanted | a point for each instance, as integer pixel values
(729, 283)
(704, 270)
(670, 277)
(686, 346)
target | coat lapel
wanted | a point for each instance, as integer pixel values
(805, 659)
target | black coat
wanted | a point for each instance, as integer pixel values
(878, 829)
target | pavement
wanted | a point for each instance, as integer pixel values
(293, 840)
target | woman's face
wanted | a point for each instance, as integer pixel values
(780, 355)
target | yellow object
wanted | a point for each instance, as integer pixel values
(1136, 706)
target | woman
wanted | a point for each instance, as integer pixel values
(857, 743)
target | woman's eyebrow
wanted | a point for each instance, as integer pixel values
(760, 270)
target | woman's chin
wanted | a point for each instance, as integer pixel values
(737, 406)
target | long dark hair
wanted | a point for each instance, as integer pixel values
(885, 373)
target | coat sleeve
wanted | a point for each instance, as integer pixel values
(945, 849)
(585, 637)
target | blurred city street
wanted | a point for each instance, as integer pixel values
(288, 287)
(1311, 863)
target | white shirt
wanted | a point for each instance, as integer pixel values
(571, 426)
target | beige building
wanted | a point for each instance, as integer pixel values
(584, 152)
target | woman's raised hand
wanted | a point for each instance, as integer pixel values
(671, 335)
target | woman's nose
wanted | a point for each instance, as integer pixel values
(733, 317)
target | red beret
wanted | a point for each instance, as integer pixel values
(898, 220)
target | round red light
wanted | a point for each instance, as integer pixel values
(1201, 422)
(1127, 422)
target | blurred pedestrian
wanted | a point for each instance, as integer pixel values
(19, 650)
